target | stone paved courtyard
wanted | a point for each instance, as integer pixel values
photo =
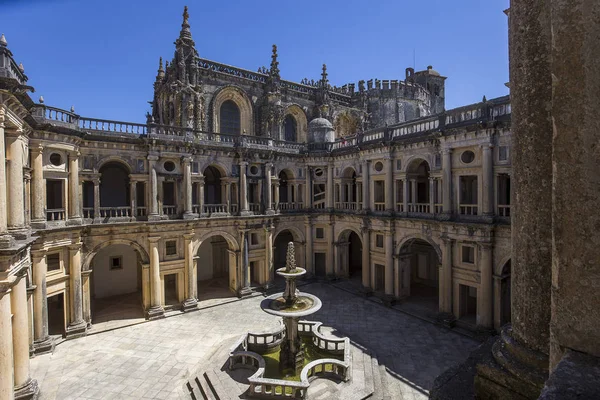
(153, 360)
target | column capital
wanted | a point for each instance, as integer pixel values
(74, 246)
(269, 165)
(446, 150)
(447, 240)
(37, 255)
(486, 245)
(152, 157)
(486, 146)
(186, 159)
(75, 153)
(243, 163)
(153, 239)
(188, 236)
(36, 148)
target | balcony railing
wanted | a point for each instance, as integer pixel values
(379, 206)
(169, 210)
(467, 209)
(212, 209)
(422, 208)
(56, 214)
(439, 208)
(141, 211)
(503, 210)
(254, 207)
(115, 212)
(88, 212)
(400, 207)
(291, 206)
(347, 205)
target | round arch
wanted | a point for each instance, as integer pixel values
(231, 241)
(348, 170)
(296, 233)
(223, 170)
(301, 122)
(413, 163)
(500, 266)
(404, 241)
(345, 233)
(87, 260)
(288, 172)
(240, 98)
(116, 160)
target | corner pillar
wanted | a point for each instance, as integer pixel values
(42, 343)
(156, 310)
(77, 327)
(191, 302)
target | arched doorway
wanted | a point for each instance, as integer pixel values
(418, 276)
(418, 189)
(286, 190)
(116, 284)
(505, 312)
(214, 260)
(212, 186)
(280, 245)
(350, 255)
(348, 191)
(230, 118)
(114, 191)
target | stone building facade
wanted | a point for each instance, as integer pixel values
(378, 184)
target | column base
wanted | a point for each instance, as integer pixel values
(74, 221)
(29, 390)
(190, 215)
(190, 304)
(154, 217)
(6, 241)
(270, 212)
(244, 292)
(43, 346)
(156, 312)
(20, 233)
(246, 213)
(38, 224)
(510, 370)
(76, 330)
(445, 216)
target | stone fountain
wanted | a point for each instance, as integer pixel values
(291, 305)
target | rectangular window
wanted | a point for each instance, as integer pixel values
(195, 168)
(398, 165)
(379, 190)
(140, 164)
(379, 241)
(115, 263)
(468, 254)
(53, 262)
(169, 193)
(253, 238)
(320, 233)
(503, 153)
(171, 247)
(438, 160)
(468, 189)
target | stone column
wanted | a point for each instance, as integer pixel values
(187, 188)
(201, 195)
(6, 346)
(366, 185)
(308, 190)
(445, 294)
(485, 297)
(576, 189)
(405, 193)
(42, 343)
(74, 208)
(96, 198)
(24, 385)
(523, 350)
(269, 189)
(270, 273)
(190, 302)
(389, 263)
(14, 157)
(243, 189)
(432, 195)
(330, 268)
(447, 182)
(153, 215)
(413, 190)
(228, 196)
(156, 310)
(276, 186)
(330, 196)
(38, 188)
(366, 259)
(132, 197)
(309, 247)
(77, 327)
(244, 264)
(5, 239)
(389, 185)
(488, 181)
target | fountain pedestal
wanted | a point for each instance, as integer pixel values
(292, 355)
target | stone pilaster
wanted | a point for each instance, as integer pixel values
(38, 188)
(74, 208)
(485, 297)
(153, 215)
(269, 269)
(269, 190)
(389, 264)
(310, 268)
(42, 343)
(6, 345)
(366, 186)
(405, 192)
(329, 195)
(133, 197)
(96, 182)
(308, 190)
(244, 189)
(187, 189)
(25, 387)
(156, 309)
(191, 302)
(445, 297)
(201, 195)
(15, 161)
(245, 289)
(432, 195)
(78, 326)
(447, 183)
(389, 185)
(329, 268)
(5, 239)
(366, 259)
(488, 181)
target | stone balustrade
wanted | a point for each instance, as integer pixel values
(115, 212)
(169, 210)
(468, 209)
(379, 206)
(423, 208)
(212, 209)
(504, 211)
(56, 214)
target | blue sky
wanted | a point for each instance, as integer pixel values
(102, 56)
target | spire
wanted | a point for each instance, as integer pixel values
(274, 71)
(3, 41)
(161, 71)
(324, 81)
(185, 33)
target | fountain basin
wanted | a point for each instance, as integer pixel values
(294, 273)
(306, 304)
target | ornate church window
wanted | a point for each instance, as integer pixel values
(290, 128)
(230, 118)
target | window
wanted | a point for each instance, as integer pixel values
(53, 262)
(379, 166)
(56, 159)
(254, 170)
(468, 189)
(289, 126)
(503, 153)
(319, 172)
(140, 165)
(195, 168)
(467, 157)
(115, 263)
(468, 254)
(171, 247)
(438, 160)
(398, 165)
(379, 241)
(230, 118)
(253, 238)
(320, 233)
(169, 166)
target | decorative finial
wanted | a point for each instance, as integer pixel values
(324, 80)
(290, 259)
(3, 41)
(21, 68)
(72, 109)
(186, 16)
(484, 99)
(274, 71)
(185, 26)
(41, 100)
(161, 71)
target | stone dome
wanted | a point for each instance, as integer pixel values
(432, 71)
(320, 130)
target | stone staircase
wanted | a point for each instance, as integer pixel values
(368, 381)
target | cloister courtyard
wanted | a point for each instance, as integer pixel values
(155, 359)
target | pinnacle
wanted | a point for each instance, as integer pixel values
(3, 41)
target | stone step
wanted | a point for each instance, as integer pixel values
(386, 393)
(377, 384)
(198, 391)
(221, 386)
